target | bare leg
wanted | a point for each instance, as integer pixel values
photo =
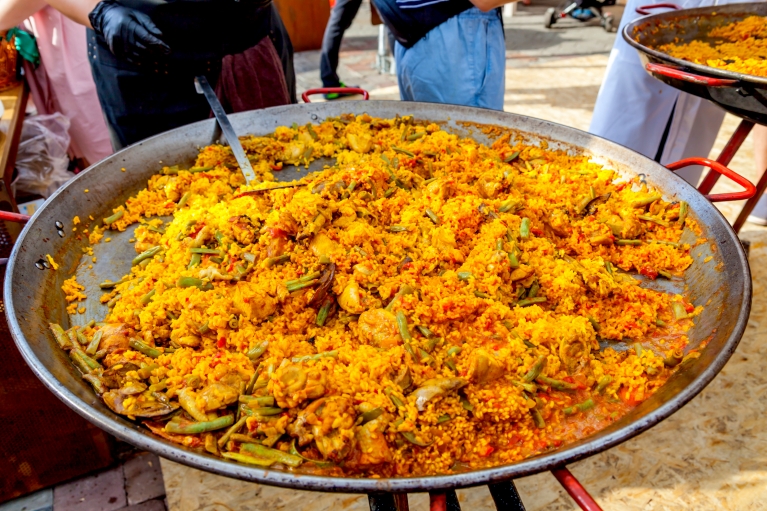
(759, 214)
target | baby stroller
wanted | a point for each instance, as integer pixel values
(581, 10)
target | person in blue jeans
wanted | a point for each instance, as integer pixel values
(341, 17)
(448, 51)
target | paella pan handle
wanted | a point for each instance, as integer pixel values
(14, 217)
(750, 189)
(575, 489)
(644, 10)
(672, 72)
(338, 90)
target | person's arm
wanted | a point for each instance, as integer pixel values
(488, 5)
(13, 12)
(76, 10)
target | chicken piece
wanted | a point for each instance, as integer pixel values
(115, 337)
(187, 398)
(334, 430)
(201, 237)
(292, 384)
(351, 299)
(443, 239)
(322, 245)
(276, 247)
(488, 185)
(559, 222)
(574, 353)
(217, 395)
(360, 142)
(371, 444)
(435, 387)
(141, 403)
(287, 223)
(522, 272)
(439, 189)
(253, 302)
(379, 328)
(484, 367)
(243, 230)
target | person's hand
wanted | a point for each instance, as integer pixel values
(130, 34)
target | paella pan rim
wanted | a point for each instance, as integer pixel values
(142, 438)
(745, 8)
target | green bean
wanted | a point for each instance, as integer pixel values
(81, 337)
(305, 278)
(556, 384)
(229, 432)
(537, 418)
(535, 370)
(320, 464)
(683, 208)
(480, 294)
(311, 131)
(665, 274)
(433, 216)
(308, 152)
(603, 382)
(534, 288)
(510, 158)
(416, 136)
(646, 201)
(674, 358)
(425, 357)
(318, 356)
(402, 326)
(464, 275)
(145, 255)
(267, 411)
(193, 282)
(111, 303)
(255, 352)
(83, 362)
(258, 401)
(594, 323)
(158, 230)
(402, 151)
(322, 315)
(385, 159)
(388, 193)
(251, 258)
(679, 310)
(455, 350)
(609, 268)
(114, 218)
(211, 251)
(444, 418)
(628, 242)
(431, 343)
(466, 404)
(60, 335)
(274, 261)
(397, 228)
(509, 205)
(580, 407)
(513, 261)
(352, 186)
(449, 363)
(144, 348)
(148, 297)
(301, 285)
(530, 301)
(195, 170)
(234, 322)
(637, 349)
(648, 218)
(184, 199)
(272, 454)
(660, 323)
(195, 428)
(583, 203)
(97, 383)
(108, 284)
(524, 228)
(204, 328)
(395, 399)
(93, 346)
(371, 415)
(243, 458)
(425, 331)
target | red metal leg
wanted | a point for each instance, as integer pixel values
(575, 489)
(437, 502)
(736, 140)
(749, 207)
(14, 217)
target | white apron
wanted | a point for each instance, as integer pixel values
(633, 108)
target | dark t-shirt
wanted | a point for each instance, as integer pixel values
(409, 25)
(207, 29)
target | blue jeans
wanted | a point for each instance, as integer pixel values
(461, 62)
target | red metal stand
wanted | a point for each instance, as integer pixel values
(575, 489)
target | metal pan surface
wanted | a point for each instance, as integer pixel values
(33, 296)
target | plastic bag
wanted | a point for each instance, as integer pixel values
(42, 160)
